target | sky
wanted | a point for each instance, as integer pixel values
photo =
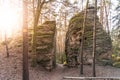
(11, 13)
(113, 12)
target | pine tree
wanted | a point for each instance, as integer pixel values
(82, 39)
(25, 41)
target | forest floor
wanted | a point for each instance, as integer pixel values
(11, 69)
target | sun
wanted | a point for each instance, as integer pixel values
(8, 19)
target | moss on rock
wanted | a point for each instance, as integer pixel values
(116, 64)
(45, 45)
(74, 34)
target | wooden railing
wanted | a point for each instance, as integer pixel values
(91, 78)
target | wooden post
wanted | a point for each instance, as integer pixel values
(91, 78)
(25, 41)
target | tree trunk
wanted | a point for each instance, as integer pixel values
(110, 21)
(101, 12)
(82, 5)
(82, 40)
(36, 15)
(25, 41)
(94, 39)
(6, 44)
(106, 17)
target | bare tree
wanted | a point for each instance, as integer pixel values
(82, 40)
(104, 14)
(36, 15)
(106, 17)
(25, 41)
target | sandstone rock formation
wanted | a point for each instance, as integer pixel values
(73, 39)
(45, 44)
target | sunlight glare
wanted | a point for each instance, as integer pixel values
(8, 19)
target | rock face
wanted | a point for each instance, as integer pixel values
(73, 39)
(45, 37)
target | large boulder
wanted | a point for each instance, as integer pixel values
(73, 39)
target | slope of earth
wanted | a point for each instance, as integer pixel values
(11, 69)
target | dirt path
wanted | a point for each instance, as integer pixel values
(11, 69)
